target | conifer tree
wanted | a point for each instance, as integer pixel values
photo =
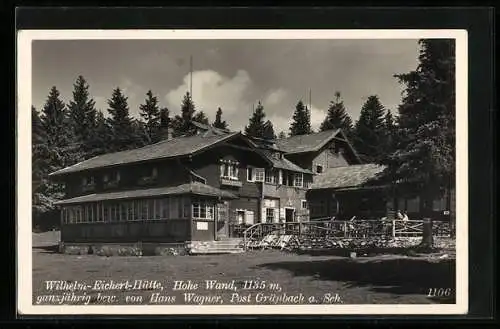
(102, 136)
(337, 117)
(256, 123)
(123, 133)
(424, 161)
(282, 135)
(218, 123)
(390, 133)
(82, 114)
(181, 124)
(54, 119)
(268, 132)
(150, 113)
(370, 134)
(201, 117)
(301, 124)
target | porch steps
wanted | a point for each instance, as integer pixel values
(225, 246)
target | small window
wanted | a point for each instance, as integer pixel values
(105, 178)
(319, 169)
(117, 176)
(303, 204)
(154, 172)
(259, 174)
(250, 173)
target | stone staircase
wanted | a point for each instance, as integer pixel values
(223, 246)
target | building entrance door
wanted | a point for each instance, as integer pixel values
(222, 221)
(289, 215)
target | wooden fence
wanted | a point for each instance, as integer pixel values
(346, 229)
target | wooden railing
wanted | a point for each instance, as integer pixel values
(345, 229)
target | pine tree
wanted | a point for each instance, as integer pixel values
(53, 118)
(370, 134)
(123, 133)
(256, 123)
(181, 124)
(51, 151)
(268, 132)
(425, 157)
(164, 123)
(150, 113)
(282, 135)
(201, 117)
(218, 123)
(390, 133)
(301, 124)
(82, 114)
(102, 136)
(337, 117)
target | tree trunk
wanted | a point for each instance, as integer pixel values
(426, 207)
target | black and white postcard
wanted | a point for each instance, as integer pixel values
(242, 172)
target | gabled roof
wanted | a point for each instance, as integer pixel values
(175, 147)
(286, 164)
(348, 176)
(189, 188)
(306, 143)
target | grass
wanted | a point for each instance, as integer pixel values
(386, 279)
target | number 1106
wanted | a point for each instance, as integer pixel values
(439, 292)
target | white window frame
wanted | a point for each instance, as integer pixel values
(205, 205)
(322, 168)
(268, 216)
(260, 175)
(268, 176)
(295, 181)
(232, 171)
(302, 203)
(250, 174)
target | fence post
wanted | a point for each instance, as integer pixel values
(245, 240)
(345, 229)
(393, 228)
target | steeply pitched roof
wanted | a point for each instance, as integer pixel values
(162, 150)
(189, 188)
(306, 143)
(348, 176)
(286, 164)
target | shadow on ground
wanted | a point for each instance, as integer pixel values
(52, 249)
(394, 276)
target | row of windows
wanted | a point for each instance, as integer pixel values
(136, 210)
(115, 177)
(275, 176)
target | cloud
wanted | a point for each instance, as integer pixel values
(237, 96)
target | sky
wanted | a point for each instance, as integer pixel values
(231, 74)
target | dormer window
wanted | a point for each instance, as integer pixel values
(229, 169)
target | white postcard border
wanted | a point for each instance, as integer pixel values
(23, 174)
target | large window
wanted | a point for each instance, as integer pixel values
(271, 176)
(229, 170)
(203, 209)
(298, 180)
